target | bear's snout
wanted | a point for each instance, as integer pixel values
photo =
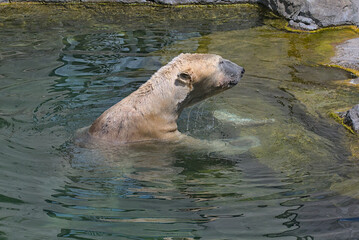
(232, 71)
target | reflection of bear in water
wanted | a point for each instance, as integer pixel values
(151, 112)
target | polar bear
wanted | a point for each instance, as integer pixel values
(151, 112)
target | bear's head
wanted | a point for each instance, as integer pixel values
(205, 75)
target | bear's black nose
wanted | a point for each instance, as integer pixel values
(242, 72)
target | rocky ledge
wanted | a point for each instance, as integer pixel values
(314, 14)
(351, 118)
(347, 54)
(301, 14)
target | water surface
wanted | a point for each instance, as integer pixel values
(61, 66)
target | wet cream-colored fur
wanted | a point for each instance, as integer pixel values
(151, 112)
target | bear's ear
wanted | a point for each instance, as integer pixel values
(185, 79)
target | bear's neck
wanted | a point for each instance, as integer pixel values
(165, 105)
(164, 102)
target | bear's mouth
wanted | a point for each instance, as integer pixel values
(234, 79)
(233, 83)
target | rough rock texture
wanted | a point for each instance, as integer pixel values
(313, 14)
(347, 54)
(351, 118)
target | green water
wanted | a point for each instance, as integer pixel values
(61, 66)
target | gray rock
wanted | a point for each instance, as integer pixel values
(313, 14)
(347, 54)
(351, 118)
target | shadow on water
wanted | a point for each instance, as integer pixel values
(61, 70)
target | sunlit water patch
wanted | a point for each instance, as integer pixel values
(60, 71)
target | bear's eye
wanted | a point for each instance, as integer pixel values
(184, 76)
